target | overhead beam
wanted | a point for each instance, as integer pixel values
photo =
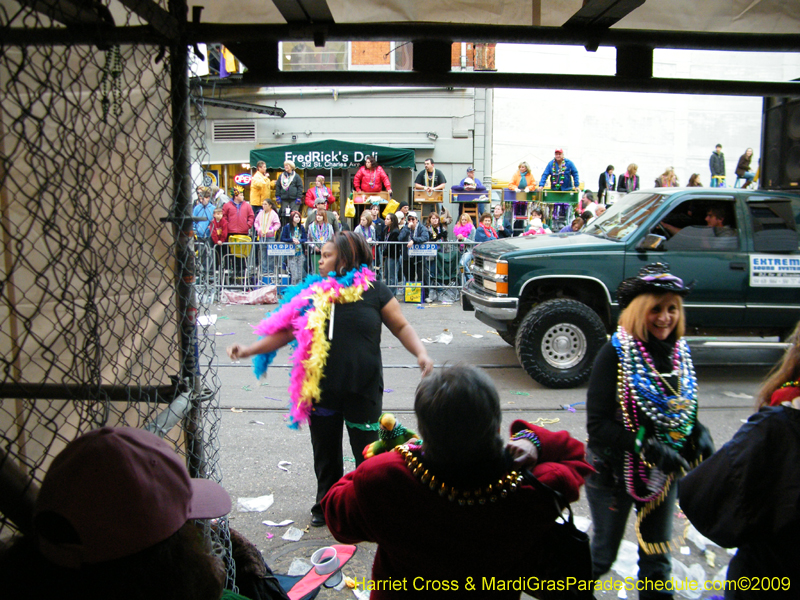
(67, 12)
(484, 79)
(155, 16)
(635, 62)
(407, 32)
(272, 111)
(602, 14)
(304, 11)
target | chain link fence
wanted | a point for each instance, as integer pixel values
(97, 303)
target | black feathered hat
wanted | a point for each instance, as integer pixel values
(652, 279)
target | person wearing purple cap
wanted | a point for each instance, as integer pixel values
(470, 183)
(113, 520)
(562, 172)
(641, 415)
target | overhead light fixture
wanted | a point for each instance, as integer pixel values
(432, 135)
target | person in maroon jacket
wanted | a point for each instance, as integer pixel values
(238, 213)
(371, 178)
(454, 510)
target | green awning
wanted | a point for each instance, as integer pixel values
(332, 154)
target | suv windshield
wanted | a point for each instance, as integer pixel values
(625, 216)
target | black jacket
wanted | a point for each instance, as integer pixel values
(747, 496)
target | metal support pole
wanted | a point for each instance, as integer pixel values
(184, 242)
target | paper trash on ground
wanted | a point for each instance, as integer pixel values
(293, 534)
(299, 566)
(281, 524)
(259, 504)
(284, 464)
(206, 320)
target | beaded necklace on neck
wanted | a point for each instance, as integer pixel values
(645, 403)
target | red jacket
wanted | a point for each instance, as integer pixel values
(311, 197)
(219, 230)
(422, 536)
(378, 178)
(240, 218)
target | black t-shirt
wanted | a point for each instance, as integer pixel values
(438, 178)
(354, 360)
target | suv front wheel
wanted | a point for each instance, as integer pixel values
(557, 342)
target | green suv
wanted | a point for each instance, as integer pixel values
(553, 296)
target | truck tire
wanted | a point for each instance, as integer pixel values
(557, 342)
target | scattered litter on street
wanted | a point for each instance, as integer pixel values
(518, 393)
(231, 333)
(293, 534)
(475, 335)
(571, 407)
(247, 388)
(582, 523)
(283, 465)
(692, 573)
(686, 550)
(283, 523)
(206, 320)
(443, 338)
(270, 535)
(387, 391)
(737, 395)
(541, 421)
(259, 504)
(492, 331)
(236, 410)
(711, 559)
(299, 566)
(275, 399)
(256, 423)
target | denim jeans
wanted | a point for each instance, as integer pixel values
(748, 178)
(610, 505)
(267, 262)
(390, 271)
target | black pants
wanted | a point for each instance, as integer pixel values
(326, 441)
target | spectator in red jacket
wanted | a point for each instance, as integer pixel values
(371, 178)
(239, 214)
(219, 235)
(319, 191)
(429, 493)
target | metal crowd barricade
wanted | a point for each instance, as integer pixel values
(440, 268)
(435, 266)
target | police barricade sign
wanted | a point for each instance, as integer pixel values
(422, 250)
(280, 249)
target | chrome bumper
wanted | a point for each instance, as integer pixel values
(498, 308)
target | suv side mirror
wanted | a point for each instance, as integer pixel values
(652, 241)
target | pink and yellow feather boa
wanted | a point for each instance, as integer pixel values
(306, 313)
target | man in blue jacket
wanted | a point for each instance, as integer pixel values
(562, 172)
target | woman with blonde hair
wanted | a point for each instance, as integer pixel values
(523, 180)
(628, 182)
(667, 178)
(642, 422)
(288, 190)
